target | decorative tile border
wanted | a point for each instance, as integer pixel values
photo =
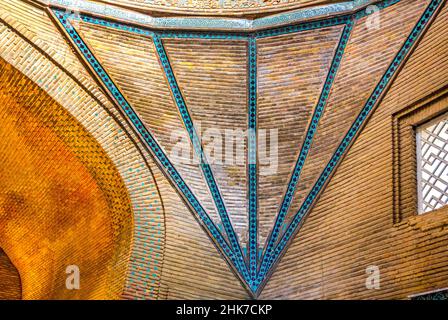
(207, 23)
(234, 7)
(252, 159)
(230, 35)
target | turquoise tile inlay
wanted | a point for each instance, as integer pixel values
(252, 157)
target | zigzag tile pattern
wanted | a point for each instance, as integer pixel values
(352, 88)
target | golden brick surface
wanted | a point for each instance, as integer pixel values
(62, 200)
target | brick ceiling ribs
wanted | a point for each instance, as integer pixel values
(318, 82)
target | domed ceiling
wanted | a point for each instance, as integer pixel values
(300, 85)
(169, 80)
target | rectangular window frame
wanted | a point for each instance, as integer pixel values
(405, 124)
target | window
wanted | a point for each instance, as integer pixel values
(432, 164)
(420, 160)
